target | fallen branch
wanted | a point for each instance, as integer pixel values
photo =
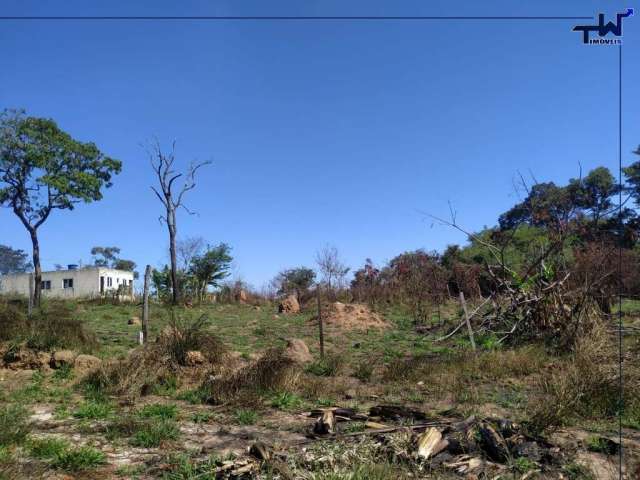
(463, 322)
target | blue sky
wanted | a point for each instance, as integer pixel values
(336, 132)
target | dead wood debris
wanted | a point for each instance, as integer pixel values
(469, 447)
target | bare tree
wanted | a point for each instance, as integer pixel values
(331, 267)
(187, 248)
(172, 200)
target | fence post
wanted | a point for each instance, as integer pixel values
(31, 288)
(320, 323)
(468, 321)
(145, 304)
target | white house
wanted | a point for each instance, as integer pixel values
(73, 283)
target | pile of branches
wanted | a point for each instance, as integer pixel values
(561, 293)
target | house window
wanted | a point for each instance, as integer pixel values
(67, 283)
(109, 282)
(45, 285)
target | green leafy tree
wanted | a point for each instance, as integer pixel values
(13, 260)
(546, 205)
(593, 194)
(296, 281)
(104, 256)
(108, 257)
(210, 267)
(43, 169)
(161, 280)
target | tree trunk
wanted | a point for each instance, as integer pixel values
(145, 304)
(171, 223)
(37, 270)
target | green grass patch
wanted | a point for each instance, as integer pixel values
(329, 366)
(245, 416)
(14, 425)
(167, 387)
(64, 373)
(286, 401)
(78, 459)
(92, 410)
(32, 392)
(47, 448)
(201, 417)
(523, 465)
(575, 471)
(159, 410)
(194, 397)
(153, 433)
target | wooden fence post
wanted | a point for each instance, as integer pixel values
(320, 323)
(468, 321)
(145, 304)
(31, 288)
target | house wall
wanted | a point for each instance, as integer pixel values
(86, 282)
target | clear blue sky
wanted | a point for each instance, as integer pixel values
(338, 132)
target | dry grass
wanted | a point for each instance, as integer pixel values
(587, 385)
(492, 365)
(273, 371)
(54, 325)
(159, 363)
(461, 377)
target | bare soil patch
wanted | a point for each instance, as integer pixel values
(351, 316)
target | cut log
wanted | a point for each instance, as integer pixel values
(375, 425)
(431, 443)
(326, 424)
(260, 451)
(493, 444)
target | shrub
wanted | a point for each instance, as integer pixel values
(14, 426)
(183, 336)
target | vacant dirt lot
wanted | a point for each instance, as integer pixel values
(385, 402)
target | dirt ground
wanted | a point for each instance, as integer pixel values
(375, 364)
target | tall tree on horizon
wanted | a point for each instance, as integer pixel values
(172, 200)
(43, 168)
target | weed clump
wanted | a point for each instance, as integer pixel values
(52, 326)
(329, 366)
(156, 365)
(586, 386)
(78, 459)
(246, 416)
(47, 448)
(13, 425)
(154, 433)
(273, 371)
